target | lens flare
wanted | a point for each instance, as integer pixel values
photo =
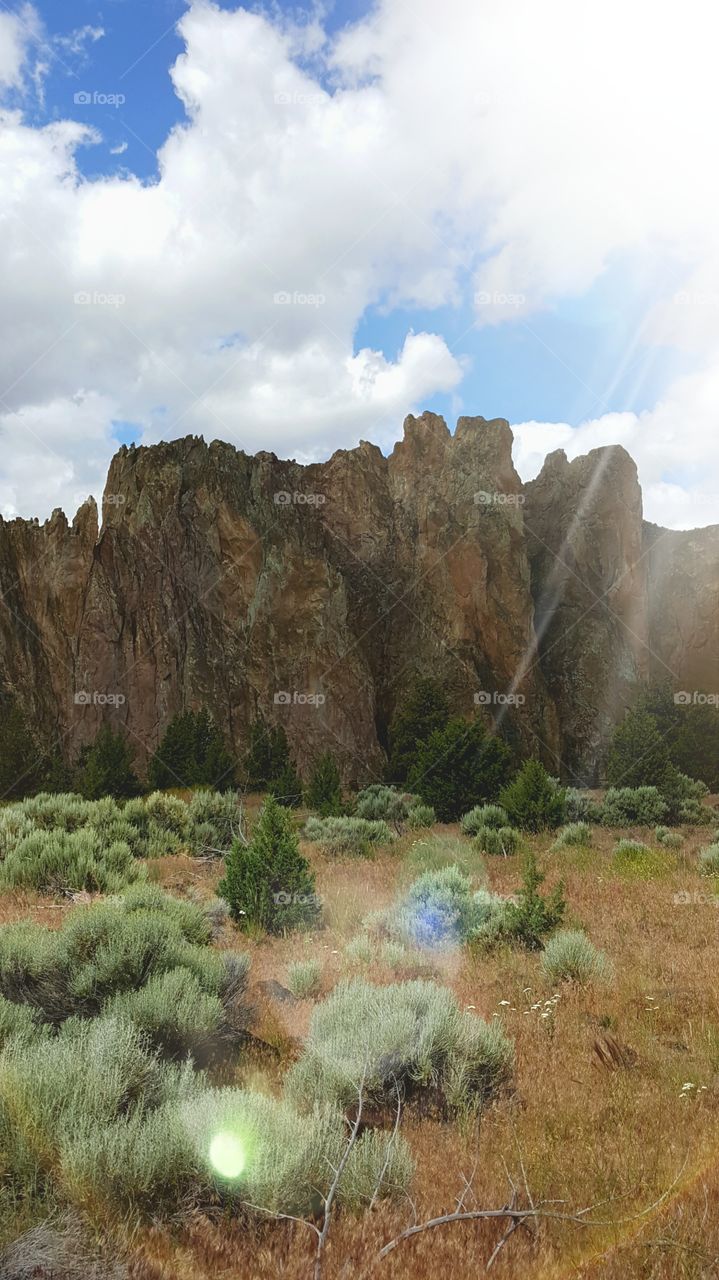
(227, 1155)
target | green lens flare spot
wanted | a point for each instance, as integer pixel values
(227, 1155)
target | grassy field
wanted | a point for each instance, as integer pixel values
(614, 1110)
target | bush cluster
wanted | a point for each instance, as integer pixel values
(569, 956)
(356, 837)
(142, 957)
(58, 842)
(268, 883)
(410, 1036)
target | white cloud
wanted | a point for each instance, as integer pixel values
(464, 148)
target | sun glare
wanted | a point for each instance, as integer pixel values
(227, 1155)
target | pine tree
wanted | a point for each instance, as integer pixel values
(287, 787)
(173, 764)
(695, 749)
(20, 757)
(324, 793)
(192, 753)
(106, 767)
(424, 710)
(458, 767)
(267, 756)
(639, 756)
(533, 800)
(268, 883)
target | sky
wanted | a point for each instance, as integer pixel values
(288, 227)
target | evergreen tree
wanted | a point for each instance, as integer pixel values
(458, 767)
(695, 749)
(105, 767)
(287, 787)
(174, 763)
(424, 710)
(268, 755)
(533, 800)
(324, 793)
(20, 758)
(268, 883)
(192, 753)
(639, 756)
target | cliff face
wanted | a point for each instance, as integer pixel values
(316, 594)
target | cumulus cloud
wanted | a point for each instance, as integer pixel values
(437, 154)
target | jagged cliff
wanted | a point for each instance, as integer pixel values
(224, 579)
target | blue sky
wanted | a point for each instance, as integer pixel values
(416, 161)
(558, 366)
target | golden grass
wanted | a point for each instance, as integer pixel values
(619, 1136)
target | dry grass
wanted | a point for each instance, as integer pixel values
(599, 1116)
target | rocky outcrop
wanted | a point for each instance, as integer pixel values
(316, 594)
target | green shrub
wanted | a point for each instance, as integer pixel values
(420, 816)
(458, 767)
(580, 807)
(169, 813)
(356, 837)
(18, 1022)
(268, 883)
(527, 919)
(709, 860)
(324, 793)
(533, 800)
(575, 835)
(483, 815)
(411, 1034)
(263, 1155)
(304, 978)
(174, 1011)
(55, 861)
(670, 839)
(116, 947)
(502, 841)
(216, 819)
(436, 911)
(634, 858)
(381, 803)
(570, 957)
(359, 950)
(633, 806)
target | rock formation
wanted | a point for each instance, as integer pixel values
(315, 594)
